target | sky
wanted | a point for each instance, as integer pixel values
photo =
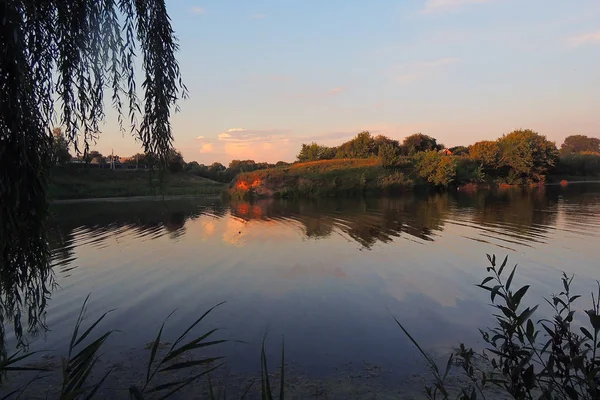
(266, 76)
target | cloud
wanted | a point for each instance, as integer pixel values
(207, 148)
(257, 144)
(258, 16)
(241, 135)
(592, 37)
(200, 137)
(198, 10)
(432, 6)
(409, 73)
(335, 91)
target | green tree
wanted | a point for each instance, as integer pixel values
(528, 154)
(89, 156)
(418, 143)
(175, 161)
(436, 168)
(579, 143)
(361, 146)
(314, 152)
(459, 151)
(487, 152)
(389, 154)
(58, 58)
(60, 148)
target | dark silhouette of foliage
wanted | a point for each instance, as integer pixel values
(525, 359)
(582, 164)
(58, 59)
(60, 148)
(175, 162)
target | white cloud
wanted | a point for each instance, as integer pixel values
(198, 10)
(335, 91)
(592, 37)
(432, 6)
(258, 16)
(200, 137)
(409, 73)
(258, 144)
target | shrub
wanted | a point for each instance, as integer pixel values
(436, 168)
(547, 359)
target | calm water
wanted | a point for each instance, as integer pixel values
(326, 274)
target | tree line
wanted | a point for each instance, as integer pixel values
(522, 156)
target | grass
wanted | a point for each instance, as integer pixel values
(83, 183)
(338, 177)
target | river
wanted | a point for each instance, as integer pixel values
(326, 275)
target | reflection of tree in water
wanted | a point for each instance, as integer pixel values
(367, 221)
(527, 212)
(175, 224)
(25, 291)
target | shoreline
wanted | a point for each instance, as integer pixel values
(134, 198)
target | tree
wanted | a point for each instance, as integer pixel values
(487, 152)
(314, 152)
(436, 168)
(389, 154)
(418, 143)
(60, 148)
(88, 157)
(175, 161)
(579, 144)
(459, 150)
(362, 146)
(58, 57)
(528, 154)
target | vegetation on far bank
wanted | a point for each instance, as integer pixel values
(81, 183)
(364, 165)
(381, 165)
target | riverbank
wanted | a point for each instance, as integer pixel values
(348, 177)
(322, 179)
(83, 183)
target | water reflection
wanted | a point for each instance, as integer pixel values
(512, 216)
(290, 261)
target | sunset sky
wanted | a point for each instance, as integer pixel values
(266, 76)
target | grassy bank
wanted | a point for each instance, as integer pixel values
(82, 183)
(322, 178)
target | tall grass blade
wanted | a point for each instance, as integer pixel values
(282, 368)
(180, 338)
(188, 364)
(154, 350)
(91, 328)
(78, 324)
(264, 371)
(97, 386)
(188, 381)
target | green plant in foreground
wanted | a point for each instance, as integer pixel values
(559, 364)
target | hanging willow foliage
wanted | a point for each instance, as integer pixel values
(58, 59)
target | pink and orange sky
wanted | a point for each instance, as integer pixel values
(266, 76)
